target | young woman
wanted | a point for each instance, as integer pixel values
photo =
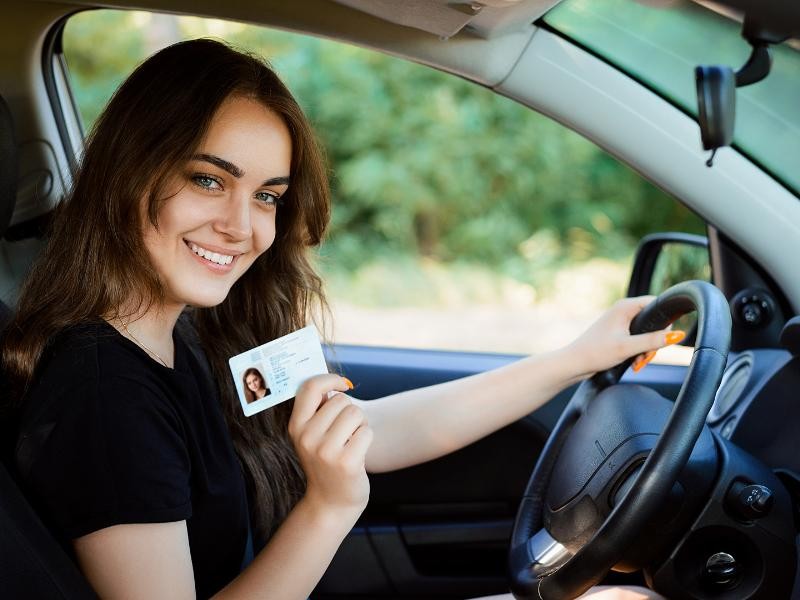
(253, 385)
(202, 186)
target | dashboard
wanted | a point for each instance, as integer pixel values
(756, 406)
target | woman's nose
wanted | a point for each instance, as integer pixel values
(234, 218)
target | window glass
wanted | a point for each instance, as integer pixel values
(661, 46)
(462, 220)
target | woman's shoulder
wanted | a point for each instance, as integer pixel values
(87, 352)
(92, 385)
(72, 356)
(83, 368)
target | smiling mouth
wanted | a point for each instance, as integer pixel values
(214, 257)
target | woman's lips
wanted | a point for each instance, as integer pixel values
(213, 261)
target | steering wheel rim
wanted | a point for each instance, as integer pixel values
(591, 562)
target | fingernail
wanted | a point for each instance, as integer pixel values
(642, 361)
(673, 337)
(349, 383)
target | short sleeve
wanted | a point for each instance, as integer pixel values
(117, 454)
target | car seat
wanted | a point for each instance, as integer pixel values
(32, 563)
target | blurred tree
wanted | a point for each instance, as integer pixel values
(97, 74)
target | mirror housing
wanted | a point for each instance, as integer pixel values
(716, 85)
(664, 259)
(716, 104)
(648, 253)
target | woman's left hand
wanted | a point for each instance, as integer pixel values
(608, 340)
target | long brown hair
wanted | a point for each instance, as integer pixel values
(153, 124)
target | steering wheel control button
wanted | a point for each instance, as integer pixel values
(721, 570)
(750, 502)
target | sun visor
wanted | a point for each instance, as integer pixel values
(443, 18)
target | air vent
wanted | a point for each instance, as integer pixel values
(731, 387)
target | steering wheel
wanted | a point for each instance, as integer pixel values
(540, 566)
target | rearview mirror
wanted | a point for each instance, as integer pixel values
(716, 86)
(716, 104)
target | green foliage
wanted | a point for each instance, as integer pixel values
(430, 163)
(423, 164)
(96, 74)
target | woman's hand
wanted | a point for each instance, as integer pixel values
(331, 436)
(608, 341)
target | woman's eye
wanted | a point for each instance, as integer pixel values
(207, 182)
(268, 198)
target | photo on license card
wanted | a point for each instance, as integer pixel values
(271, 373)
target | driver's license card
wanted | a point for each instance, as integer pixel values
(270, 374)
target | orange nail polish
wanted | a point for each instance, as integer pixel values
(349, 383)
(673, 337)
(642, 361)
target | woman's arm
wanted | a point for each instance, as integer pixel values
(296, 557)
(419, 425)
(153, 560)
(331, 437)
(143, 560)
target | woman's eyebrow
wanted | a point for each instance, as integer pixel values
(234, 170)
(221, 163)
(277, 181)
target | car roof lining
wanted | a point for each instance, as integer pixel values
(446, 18)
(440, 18)
(484, 51)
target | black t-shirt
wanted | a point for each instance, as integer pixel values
(110, 436)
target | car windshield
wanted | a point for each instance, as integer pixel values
(661, 46)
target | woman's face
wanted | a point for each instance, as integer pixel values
(254, 382)
(222, 214)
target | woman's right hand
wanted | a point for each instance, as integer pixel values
(331, 436)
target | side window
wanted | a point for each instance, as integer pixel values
(462, 220)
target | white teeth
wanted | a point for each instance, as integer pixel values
(220, 259)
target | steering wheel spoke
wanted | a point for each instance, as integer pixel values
(546, 554)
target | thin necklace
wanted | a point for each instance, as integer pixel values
(142, 345)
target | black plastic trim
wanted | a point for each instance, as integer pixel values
(735, 270)
(53, 45)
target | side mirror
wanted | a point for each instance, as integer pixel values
(664, 259)
(716, 104)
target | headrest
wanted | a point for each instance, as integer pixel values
(8, 166)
